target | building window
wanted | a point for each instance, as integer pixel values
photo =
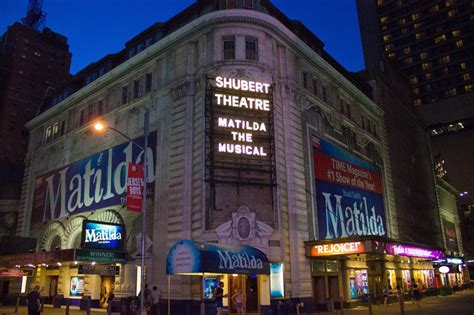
(425, 65)
(248, 4)
(414, 80)
(132, 52)
(419, 35)
(228, 44)
(468, 88)
(417, 102)
(449, 3)
(408, 60)
(423, 55)
(391, 55)
(386, 37)
(402, 21)
(416, 91)
(416, 26)
(251, 48)
(82, 117)
(148, 42)
(90, 112)
(451, 13)
(124, 94)
(324, 91)
(380, 2)
(406, 50)
(452, 92)
(459, 43)
(428, 76)
(384, 19)
(462, 65)
(305, 79)
(100, 108)
(466, 76)
(136, 88)
(404, 31)
(415, 16)
(48, 135)
(231, 4)
(140, 47)
(440, 39)
(445, 59)
(434, 8)
(456, 33)
(148, 81)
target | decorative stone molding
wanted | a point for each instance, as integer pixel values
(53, 229)
(73, 230)
(244, 228)
(182, 90)
(109, 216)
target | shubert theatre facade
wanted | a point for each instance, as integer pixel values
(256, 139)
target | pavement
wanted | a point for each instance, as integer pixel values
(461, 303)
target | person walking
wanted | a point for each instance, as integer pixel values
(416, 295)
(385, 296)
(218, 296)
(238, 301)
(33, 301)
(155, 296)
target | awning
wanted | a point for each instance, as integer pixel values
(192, 257)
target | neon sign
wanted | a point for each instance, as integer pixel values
(338, 249)
(410, 251)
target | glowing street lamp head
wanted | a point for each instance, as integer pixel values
(99, 126)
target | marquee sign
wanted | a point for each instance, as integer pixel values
(349, 194)
(412, 251)
(321, 249)
(92, 183)
(101, 235)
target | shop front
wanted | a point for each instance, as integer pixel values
(351, 270)
(451, 272)
(242, 269)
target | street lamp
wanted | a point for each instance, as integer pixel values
(101, 127)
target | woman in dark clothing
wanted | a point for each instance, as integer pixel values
(417, 295)
(33, 300)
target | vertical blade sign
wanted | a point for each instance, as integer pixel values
(135, 187)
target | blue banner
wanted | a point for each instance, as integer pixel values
(349, 194)
(92, 183)
(277, 282)
(101, 235)
(187, 256)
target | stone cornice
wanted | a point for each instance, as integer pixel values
(202, 24)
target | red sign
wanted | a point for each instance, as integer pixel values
(12, 273)
(135, 187)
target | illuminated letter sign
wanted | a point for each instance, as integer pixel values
(101, 235)
(241, 116)
(411, 251)
(338, 249)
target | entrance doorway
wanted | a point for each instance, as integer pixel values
(248, 285)
(53, 288)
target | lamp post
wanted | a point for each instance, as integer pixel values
(146, 129)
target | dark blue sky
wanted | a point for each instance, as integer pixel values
(97, 27)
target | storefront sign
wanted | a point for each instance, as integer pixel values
(411, 251)
(277, 283)
(101, 235)
(12, 273)
(444, 269)
(450, 260)
(338, 249)
(450, 236)
(100, 256)
(76, 287)
(187, 256)
(135, 187)
(103, 270)
(349, 194)
(92, 183)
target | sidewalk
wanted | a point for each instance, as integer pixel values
(10, 310)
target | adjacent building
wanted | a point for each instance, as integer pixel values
(32, 64)
(431, 41)
(268, 169)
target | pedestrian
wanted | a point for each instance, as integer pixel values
(218, 296)
(155, 295)
(147, 299)
(399, 293)
(410, 291)
(416, 295)
(238, 301)
(385, 296)
(33, 301)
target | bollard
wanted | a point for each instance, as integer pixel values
(68, 302)
(402, 305)
(341, 303)
(370, 303)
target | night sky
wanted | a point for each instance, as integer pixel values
(96, 28)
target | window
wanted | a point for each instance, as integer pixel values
(416, 91)
(148, 42)
(136, 88)
(445, 59)
(90, 112)
(82, 117)
(415, 16)
(315, 87)
(55, 130)
(124, 94)
(380, 2)
(305, 79)
(434, 8)
(402, 21)
(248, 4)
(425, 65)
(456, 33)
(466, 76)
(389, 47)
(49, 132)
(408, 60)
(148, 81)
(451, 13)
(416, 26)
(132, 52)
(459, 43)
(386, 37)
(419, 35)
(406, 50)
(231, 4)
(228, 44)
(404, 30)
(423, 55)
(414, 80)
(462, 65)
(251, 48)
(452, 92)
(428, 76)
(468, 88)
(325, 93)
(384, 19)
(440, 39)
(100, 108)
(417, 102)
(391, 55)
(449, 3)
(140, 47)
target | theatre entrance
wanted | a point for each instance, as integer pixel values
(248, 286)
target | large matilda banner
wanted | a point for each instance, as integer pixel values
(94, 182)
(349, 194)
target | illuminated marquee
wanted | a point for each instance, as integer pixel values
(240, 139)
(337, 249)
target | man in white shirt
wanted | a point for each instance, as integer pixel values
(155, 295)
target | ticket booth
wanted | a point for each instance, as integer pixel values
(240, 268)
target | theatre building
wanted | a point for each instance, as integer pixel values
(267, 170)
